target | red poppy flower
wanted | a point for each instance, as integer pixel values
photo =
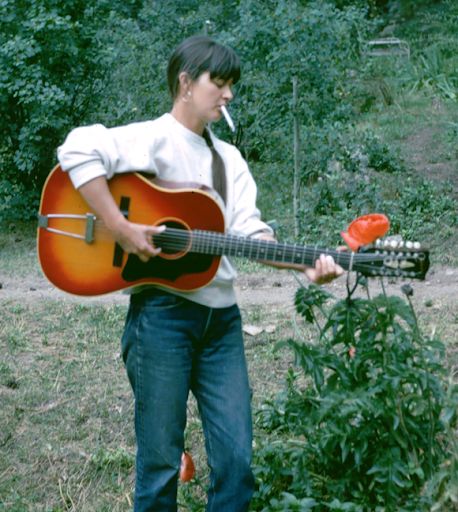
(365, 230)
(187, 468)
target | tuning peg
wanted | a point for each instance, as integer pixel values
(417, 245)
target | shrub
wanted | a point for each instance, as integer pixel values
(362, 425)
(52, 76)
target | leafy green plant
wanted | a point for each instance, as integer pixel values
(380, 156)
(52, 77)
(363, 424)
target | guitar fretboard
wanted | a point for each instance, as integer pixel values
(218, 244)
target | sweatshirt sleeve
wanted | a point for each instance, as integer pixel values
(92, 151)
(246, 219)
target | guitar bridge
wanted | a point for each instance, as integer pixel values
(88, 237)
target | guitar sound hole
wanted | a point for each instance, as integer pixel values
(174, 240)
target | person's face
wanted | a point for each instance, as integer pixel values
(207, 96)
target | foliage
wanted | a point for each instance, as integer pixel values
(354, 173)
(70, 63)
(432, 66)
(51, 77)
(315, 42)
(363, 425)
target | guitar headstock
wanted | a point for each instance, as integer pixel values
(393, 258)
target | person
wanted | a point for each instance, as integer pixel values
(175, 342)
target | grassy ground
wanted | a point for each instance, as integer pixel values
(66, 430)
(66, 421)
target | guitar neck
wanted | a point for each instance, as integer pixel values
(218, 244)
(255, 249)
(382, 259)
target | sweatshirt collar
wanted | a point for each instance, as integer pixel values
(185, 132)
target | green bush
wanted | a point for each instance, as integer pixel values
(52, 75)
(363, 425)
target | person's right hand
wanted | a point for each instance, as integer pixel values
(136, 238)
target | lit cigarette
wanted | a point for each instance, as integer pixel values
(228, 118)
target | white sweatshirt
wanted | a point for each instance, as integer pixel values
(167, 149)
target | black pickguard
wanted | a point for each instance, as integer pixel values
(171, 270)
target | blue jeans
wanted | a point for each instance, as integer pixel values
(171, 346)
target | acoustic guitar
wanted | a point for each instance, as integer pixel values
(78, 255)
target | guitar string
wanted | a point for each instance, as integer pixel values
(207, 237)
(176, 237)
(281, 252)
(178, 240)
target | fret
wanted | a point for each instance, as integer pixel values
(274, 252)
(261, 250)
(221, 245)
(207, 242)
(243, 248)
(239, 247)
(247, 247)
(228, 246)
(196, 242)
(297, 256)
(314, 255)
(340, 257)
(301, 255)
(252, 245)
(232, 247)
(217, 246)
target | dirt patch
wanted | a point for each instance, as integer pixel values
(430, 159)
(275, 289)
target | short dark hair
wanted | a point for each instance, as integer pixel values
(198, 54)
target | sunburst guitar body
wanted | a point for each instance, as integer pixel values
(78, 255)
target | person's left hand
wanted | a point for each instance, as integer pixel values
(324, 271)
